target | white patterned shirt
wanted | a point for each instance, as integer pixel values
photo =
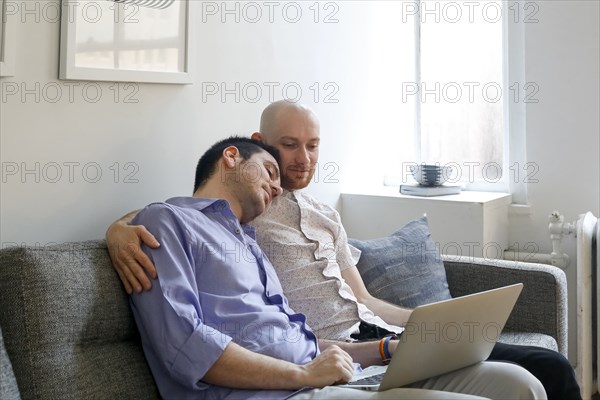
(305, 241)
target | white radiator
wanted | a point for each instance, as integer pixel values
(587, 231)
(588, 295)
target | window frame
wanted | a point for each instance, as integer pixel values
(514, 166)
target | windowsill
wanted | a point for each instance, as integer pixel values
(466, 196)
(456, 221)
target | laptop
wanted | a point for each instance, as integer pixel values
(443, 337)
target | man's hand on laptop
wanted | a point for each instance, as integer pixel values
(332, 366)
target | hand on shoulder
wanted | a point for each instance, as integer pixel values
(131, 263)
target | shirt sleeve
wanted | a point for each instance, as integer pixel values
(346, 255)
(169, 316)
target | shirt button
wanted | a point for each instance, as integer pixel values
(237, 230)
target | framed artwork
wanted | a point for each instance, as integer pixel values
(7, 40)
(126, 40)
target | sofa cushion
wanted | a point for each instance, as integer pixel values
(529, 339)
(67, 325)
(404, 268)
(8, 382)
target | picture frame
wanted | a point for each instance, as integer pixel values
(106, 40)
(7, 41)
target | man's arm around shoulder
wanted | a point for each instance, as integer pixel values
(124, 246)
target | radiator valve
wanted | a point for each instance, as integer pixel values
(558, 228)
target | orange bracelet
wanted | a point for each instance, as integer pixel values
(383, 348)
(381, 353)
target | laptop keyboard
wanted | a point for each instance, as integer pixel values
(371, 380)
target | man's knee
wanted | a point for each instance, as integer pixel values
(494, 380)
(519, 383)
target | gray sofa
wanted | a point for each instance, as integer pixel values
(67, 331)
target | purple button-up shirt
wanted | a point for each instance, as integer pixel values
(214, 286)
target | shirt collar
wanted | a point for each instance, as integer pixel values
(199, 203)
(216, 205)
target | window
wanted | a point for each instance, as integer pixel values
(461, 109)
(452, 103)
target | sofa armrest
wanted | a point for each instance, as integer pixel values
(542, 306)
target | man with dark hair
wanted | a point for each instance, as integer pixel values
(191, 321)
(247, 148)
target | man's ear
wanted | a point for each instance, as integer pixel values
(230, 155)
(257, 136)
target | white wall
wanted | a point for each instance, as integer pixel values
(164, 133)
(169, 127)
(328, 47)
(563, 130)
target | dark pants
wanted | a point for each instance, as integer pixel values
(548, 366)
(551, 368)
